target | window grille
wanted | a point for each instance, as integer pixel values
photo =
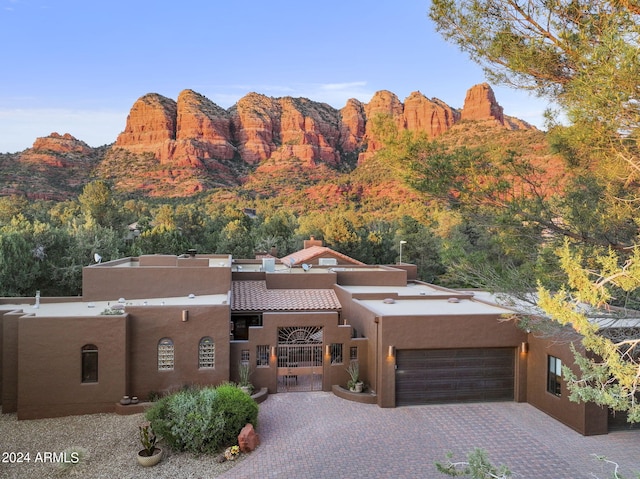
(206, 353)
(353, 353)
(244, 356)
(262, 355)
(166, 356)
(89, 363)
(336, 353)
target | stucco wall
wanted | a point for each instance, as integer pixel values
(101, 282)
(50, 366)
(333, 332)
(382, 276)
(588, 419)
(9, 361)
(444, 332)
(301, 280)
(149, 324)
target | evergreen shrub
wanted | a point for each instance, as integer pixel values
(202, 420)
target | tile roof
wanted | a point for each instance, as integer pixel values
(313, 252)
(254, 296)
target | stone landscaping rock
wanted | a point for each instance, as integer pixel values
(248, 439)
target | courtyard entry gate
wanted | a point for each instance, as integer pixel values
(300, 359)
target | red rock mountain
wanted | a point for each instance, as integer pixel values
(55, 165)
(194, 131)
(184, 146)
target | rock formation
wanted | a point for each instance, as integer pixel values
(196, 133)
(431, 116)
(56, 150)
(256, 125)
(151, 123)
(480, 104)
(352, 125)
(203, 131)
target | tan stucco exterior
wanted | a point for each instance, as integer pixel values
(377, 310)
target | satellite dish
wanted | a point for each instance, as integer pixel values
(97, 257)
(306, 266)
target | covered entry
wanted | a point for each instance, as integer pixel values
(429, 376)
(300, 359)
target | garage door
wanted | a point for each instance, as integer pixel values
(429, 376)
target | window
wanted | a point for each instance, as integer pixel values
(165, 355)
(206, 353)
(89, 363)
(353, 353)
(262, 355)
(244, 356)
(336, 353)
(554, 375)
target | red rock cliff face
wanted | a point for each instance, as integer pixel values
(195, 132)
(481, 104)
(256, 125)
(203, 130)
(308, 131)
(352, 125)
(286, 127)
(383, 103)
(434, 117)
(151, 122)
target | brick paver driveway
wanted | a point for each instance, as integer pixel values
(318, 435)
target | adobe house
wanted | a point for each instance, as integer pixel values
(192, 320)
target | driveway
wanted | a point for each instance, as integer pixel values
(318, 435)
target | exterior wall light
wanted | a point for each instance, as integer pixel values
(392, 351)
(185, 315)
(327, 350)
(524, 347)
(273, 351)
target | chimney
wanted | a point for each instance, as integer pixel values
(312, 241)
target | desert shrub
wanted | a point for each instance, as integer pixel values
(202, 420)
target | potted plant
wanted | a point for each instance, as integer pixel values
(244, 373)
(150, 455)
(354, 384)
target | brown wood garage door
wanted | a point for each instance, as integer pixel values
(429, 376)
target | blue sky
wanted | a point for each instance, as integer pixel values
(77, 66)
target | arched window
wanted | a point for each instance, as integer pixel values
(206, 353)
(165, 354)
(89, 363)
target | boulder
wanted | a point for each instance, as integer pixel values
(248, 439)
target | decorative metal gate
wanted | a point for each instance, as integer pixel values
(300, 358)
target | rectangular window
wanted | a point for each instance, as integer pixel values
(165, 355)
(262, 355)
(206, 353)
(89, 364)
(353, 353)
(244, 356)
(336, 353)
(554, 376)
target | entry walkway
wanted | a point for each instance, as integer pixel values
(318, 435)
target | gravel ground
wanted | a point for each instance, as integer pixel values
(111, 445)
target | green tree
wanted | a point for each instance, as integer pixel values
(97, 203)
(236, 239)
(422, 248)
(583, 56)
